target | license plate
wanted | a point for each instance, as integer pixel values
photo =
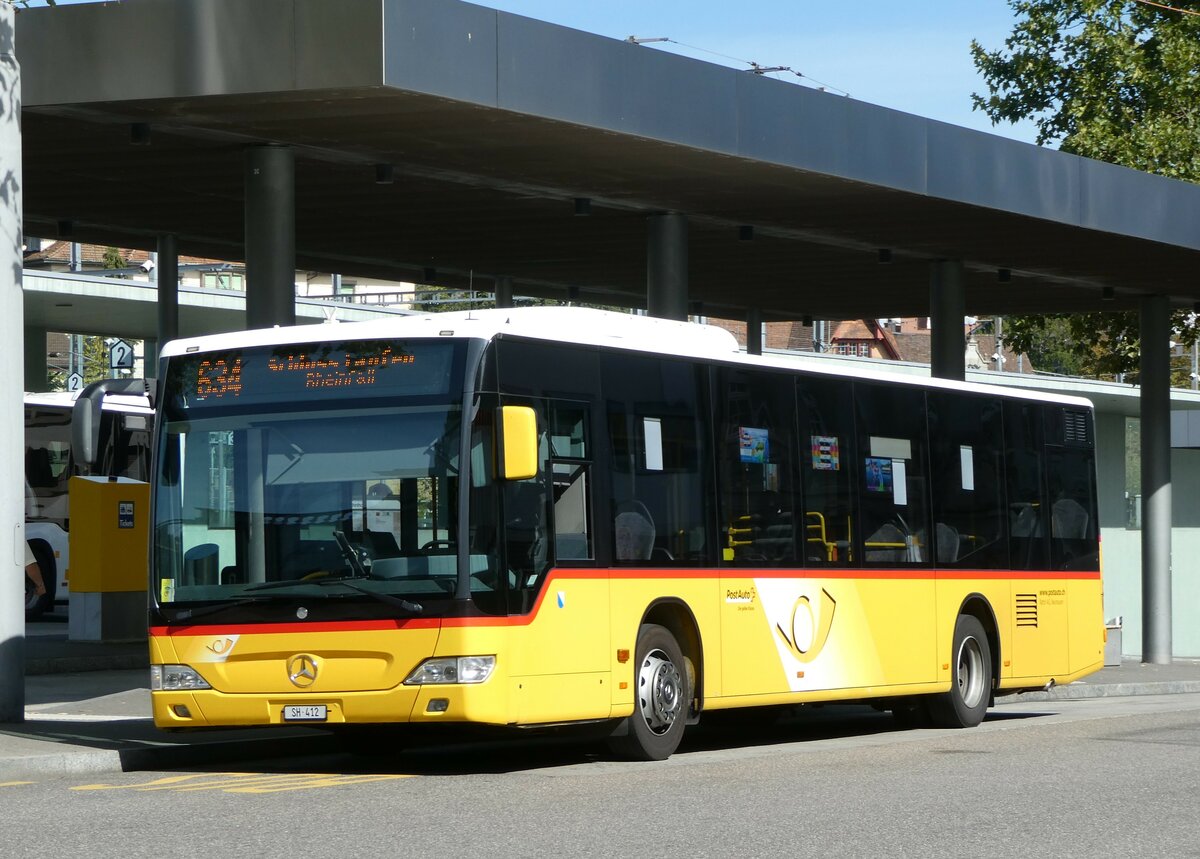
(305, 713)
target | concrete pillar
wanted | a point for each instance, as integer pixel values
(754, 338)
(947, 306)
(270, 190)
(168, 297)
(667, 266)
(35, 359)
(504, 292)
(150, 358)
(12, 424)
(1156, 479)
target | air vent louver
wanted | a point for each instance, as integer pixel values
(1027, 610)
(1077, 428)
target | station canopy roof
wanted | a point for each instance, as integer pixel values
(136, 117)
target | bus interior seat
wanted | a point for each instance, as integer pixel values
(947, 543)
(1027, 523)
(634, 532)
(1068, 520)
(886, 545)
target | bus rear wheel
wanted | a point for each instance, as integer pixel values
(661, 694)
(967, 701)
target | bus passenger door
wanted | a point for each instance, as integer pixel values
(563, 660)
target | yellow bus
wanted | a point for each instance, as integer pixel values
(549, 516)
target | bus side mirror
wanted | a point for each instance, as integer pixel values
(85, 416)
(516, 430)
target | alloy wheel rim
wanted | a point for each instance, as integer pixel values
(660, 691)
(970, 672)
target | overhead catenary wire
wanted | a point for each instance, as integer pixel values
(1168, 8)
(753, 67)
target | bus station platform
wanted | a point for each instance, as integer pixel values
(87, 710)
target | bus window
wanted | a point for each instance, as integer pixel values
(826, 415)
(1027, 515)
(660, 483)
(48, 462)
(570, 467)
(488, 587)
(526, 516)
(967, 467)
(756, 463)
(1071, 489)
(892, 490)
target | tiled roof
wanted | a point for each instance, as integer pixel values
(58, 253)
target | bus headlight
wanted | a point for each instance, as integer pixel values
(173, 678)
(452, 669)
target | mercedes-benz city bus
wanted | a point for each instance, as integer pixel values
(554, 516)
(121, 447)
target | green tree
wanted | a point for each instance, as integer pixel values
(113, 258)
(95, 360)
(1115, 80)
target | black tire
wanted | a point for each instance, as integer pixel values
(970, 692)
(662, 695)
(36, 606)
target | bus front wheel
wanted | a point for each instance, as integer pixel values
(971, 684)
(661, 694)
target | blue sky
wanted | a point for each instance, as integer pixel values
(912, 55)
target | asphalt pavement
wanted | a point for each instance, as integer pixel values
(87, 710)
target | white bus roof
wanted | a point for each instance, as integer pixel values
(583, 326)
(131, 403)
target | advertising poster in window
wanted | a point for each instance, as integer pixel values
(825, 453)
(879, 474)
(753, 444)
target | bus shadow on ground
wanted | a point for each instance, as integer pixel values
(510, 752)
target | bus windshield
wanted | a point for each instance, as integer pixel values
(346, 480)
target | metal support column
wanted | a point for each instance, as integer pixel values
(270, 189)
(754, 334)
(35, 359)
(150, 358)
(12, 429)
(168, 299)
(667, 266)
(947, 306)
(504, 292)
(1156, 479)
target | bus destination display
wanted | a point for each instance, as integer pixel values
(319, 369)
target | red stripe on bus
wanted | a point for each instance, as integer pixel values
(641, 574)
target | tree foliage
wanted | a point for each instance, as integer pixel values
(1115, 80)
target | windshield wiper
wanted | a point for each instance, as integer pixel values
(192, 614)
(398, 602)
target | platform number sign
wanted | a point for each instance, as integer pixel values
(120, 355)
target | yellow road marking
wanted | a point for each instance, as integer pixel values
(14, 783)
(246, 782)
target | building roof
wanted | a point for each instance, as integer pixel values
(491, 125)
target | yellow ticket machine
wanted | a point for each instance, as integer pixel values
(108, 544)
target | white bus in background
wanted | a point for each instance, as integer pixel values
(119, 443)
